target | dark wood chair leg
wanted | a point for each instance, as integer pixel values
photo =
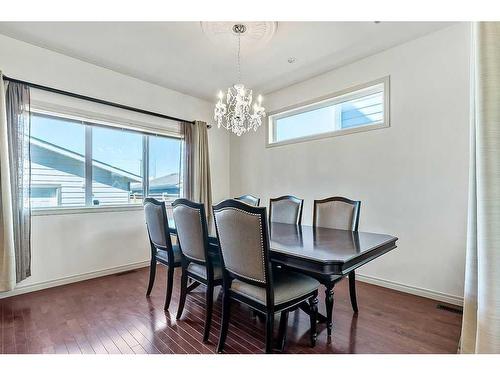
(170, 282)
(269, 331)
(225, 322)
(208, 312)
(329, 308)
(352, 291)
(313, 317)
(283, 329)
(184, 291)
(193, 286)
(152, 275)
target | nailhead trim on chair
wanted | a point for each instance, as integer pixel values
(261, 242)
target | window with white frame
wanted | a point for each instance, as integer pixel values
(364, 107)
(80, 163)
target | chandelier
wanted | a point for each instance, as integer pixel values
(234, 113)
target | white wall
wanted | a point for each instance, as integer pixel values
(411, 177)
(66, 247)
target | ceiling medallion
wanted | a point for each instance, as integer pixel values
(256, 35)
(234, 113)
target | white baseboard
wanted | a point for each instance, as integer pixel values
(73, 279)
(422, 292)
(454, 300)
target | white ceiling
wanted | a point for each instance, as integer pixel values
(179, 56)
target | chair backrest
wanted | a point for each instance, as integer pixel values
(192, 233)
(249, 199)
(337, 213)
(157, 223)
(243, 241)
(286, 209)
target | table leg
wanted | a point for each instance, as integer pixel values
(329, 308)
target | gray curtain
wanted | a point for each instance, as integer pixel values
(481, 319)
(197, 183)
(17, 100)
(7, 253)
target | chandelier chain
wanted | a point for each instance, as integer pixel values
(238, 58)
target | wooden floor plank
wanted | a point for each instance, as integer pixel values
(112, 315)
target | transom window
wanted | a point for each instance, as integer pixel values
(365, 107)
(78, 163)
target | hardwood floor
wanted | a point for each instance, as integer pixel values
(112, 315)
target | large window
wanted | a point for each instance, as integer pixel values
(82, 164)
(362, 108)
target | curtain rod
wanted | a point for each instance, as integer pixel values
(95, 100)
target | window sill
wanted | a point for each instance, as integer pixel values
(84, 210)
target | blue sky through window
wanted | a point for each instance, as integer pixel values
(115, 147)
(118, 148)
(317, 121)
(60, 132)
(164, 156)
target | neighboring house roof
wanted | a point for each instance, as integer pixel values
(160, 184)
(171, 179)
(38, 145)
(59, 158)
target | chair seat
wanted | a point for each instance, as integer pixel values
(288, 285)
(163, 256)
(201, 270)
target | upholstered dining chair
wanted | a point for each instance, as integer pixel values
(337, 213)
(162, 250)
(198, 263)
(248, 276)
(248, 199)
(286, 209)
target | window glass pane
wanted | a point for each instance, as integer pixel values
(304, 124)
(164, 168)
(116, 166)
(363, 111)
(350, 110)
(57, 162)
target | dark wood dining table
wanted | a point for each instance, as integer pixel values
(326, 254)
